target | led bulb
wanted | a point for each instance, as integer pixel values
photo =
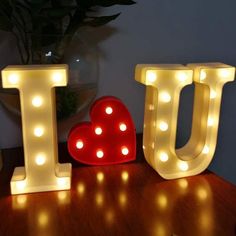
(98, 131)
(165, 97)
(212, 94)
(151, 76)
(181, 76)
(210, 121)
(37, 101)
(100, 154)
(163, 126)
(61, 181)
(109, 110)
(79, 144)
(40, 159)
(123, 127)
(164, 157)
(205, 149)
(21, 184)
(183, 166)
(38, 131)
(203, 75)
(13, 78)
(224, 73)
(57, 77)
(125, 151)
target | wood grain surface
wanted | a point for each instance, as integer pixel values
(127, 199)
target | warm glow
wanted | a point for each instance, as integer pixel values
(203, 75)
(21, 184)
(210, 121)
(40, 159)
(151, 76)
(164, 157)
(100, 154)
(125, 151)
(205, 149)
(100, 177)
(183, 166)
(109, 110)
(162, 104)
(202, 193)
(125, 176)
(181, 76)
(162, 201)
(183, 183)
(163, 126)
(98, 131)
(122, 199)
(43, 219)
(165, 97)
(38, 131)
(123, 127)
(13, 78)
(37, 101)
(21, 200)
(80, 188)
(57, 77)
(36, 85)
(61, 181)
(213, 94)
(224, 73)
(99, 199)
(79, 144)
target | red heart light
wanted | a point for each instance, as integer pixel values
(109, 138)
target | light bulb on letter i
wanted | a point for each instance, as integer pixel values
(41, 172)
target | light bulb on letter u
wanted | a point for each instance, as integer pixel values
(160, 122)
(42, 172)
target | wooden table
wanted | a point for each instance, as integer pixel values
(128, 199)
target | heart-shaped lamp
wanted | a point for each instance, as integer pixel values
(109, 138)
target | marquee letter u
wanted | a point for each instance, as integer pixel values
(164, 84)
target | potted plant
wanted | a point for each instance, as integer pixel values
(44, 30)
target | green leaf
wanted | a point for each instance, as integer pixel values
(104, 3)
(98, 21)
(58, 12)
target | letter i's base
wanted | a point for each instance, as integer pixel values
(61, 181)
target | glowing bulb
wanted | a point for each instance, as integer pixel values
(100, 177)
(203, 75)
(123, 127)
(210, 121)
(40, 159)
(38, 131)
(13, 78)
(212, 94)
(181, 76)
(100, 154)
(37, 101)
(183, 166)
(57, 77)
(125, 176)
(61, 181)
(79, 144)
(163, 126)
(109, 110)
(165, 97)
(164, 157)
(151, 76)
(21, 184)
(205, 149)
(151, 107)
(224, 73)
(125, 151)
(98, 131)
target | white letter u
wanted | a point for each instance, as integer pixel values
(164, 84)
